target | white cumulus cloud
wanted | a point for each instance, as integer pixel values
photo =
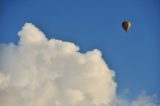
(49, 72)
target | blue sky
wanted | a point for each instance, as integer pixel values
(135, 55)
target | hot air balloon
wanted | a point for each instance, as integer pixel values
(126, 25)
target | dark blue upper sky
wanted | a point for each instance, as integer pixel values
(135, 55)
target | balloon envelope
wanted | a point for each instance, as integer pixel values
(126, 25)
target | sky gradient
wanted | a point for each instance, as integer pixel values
(134, 56)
